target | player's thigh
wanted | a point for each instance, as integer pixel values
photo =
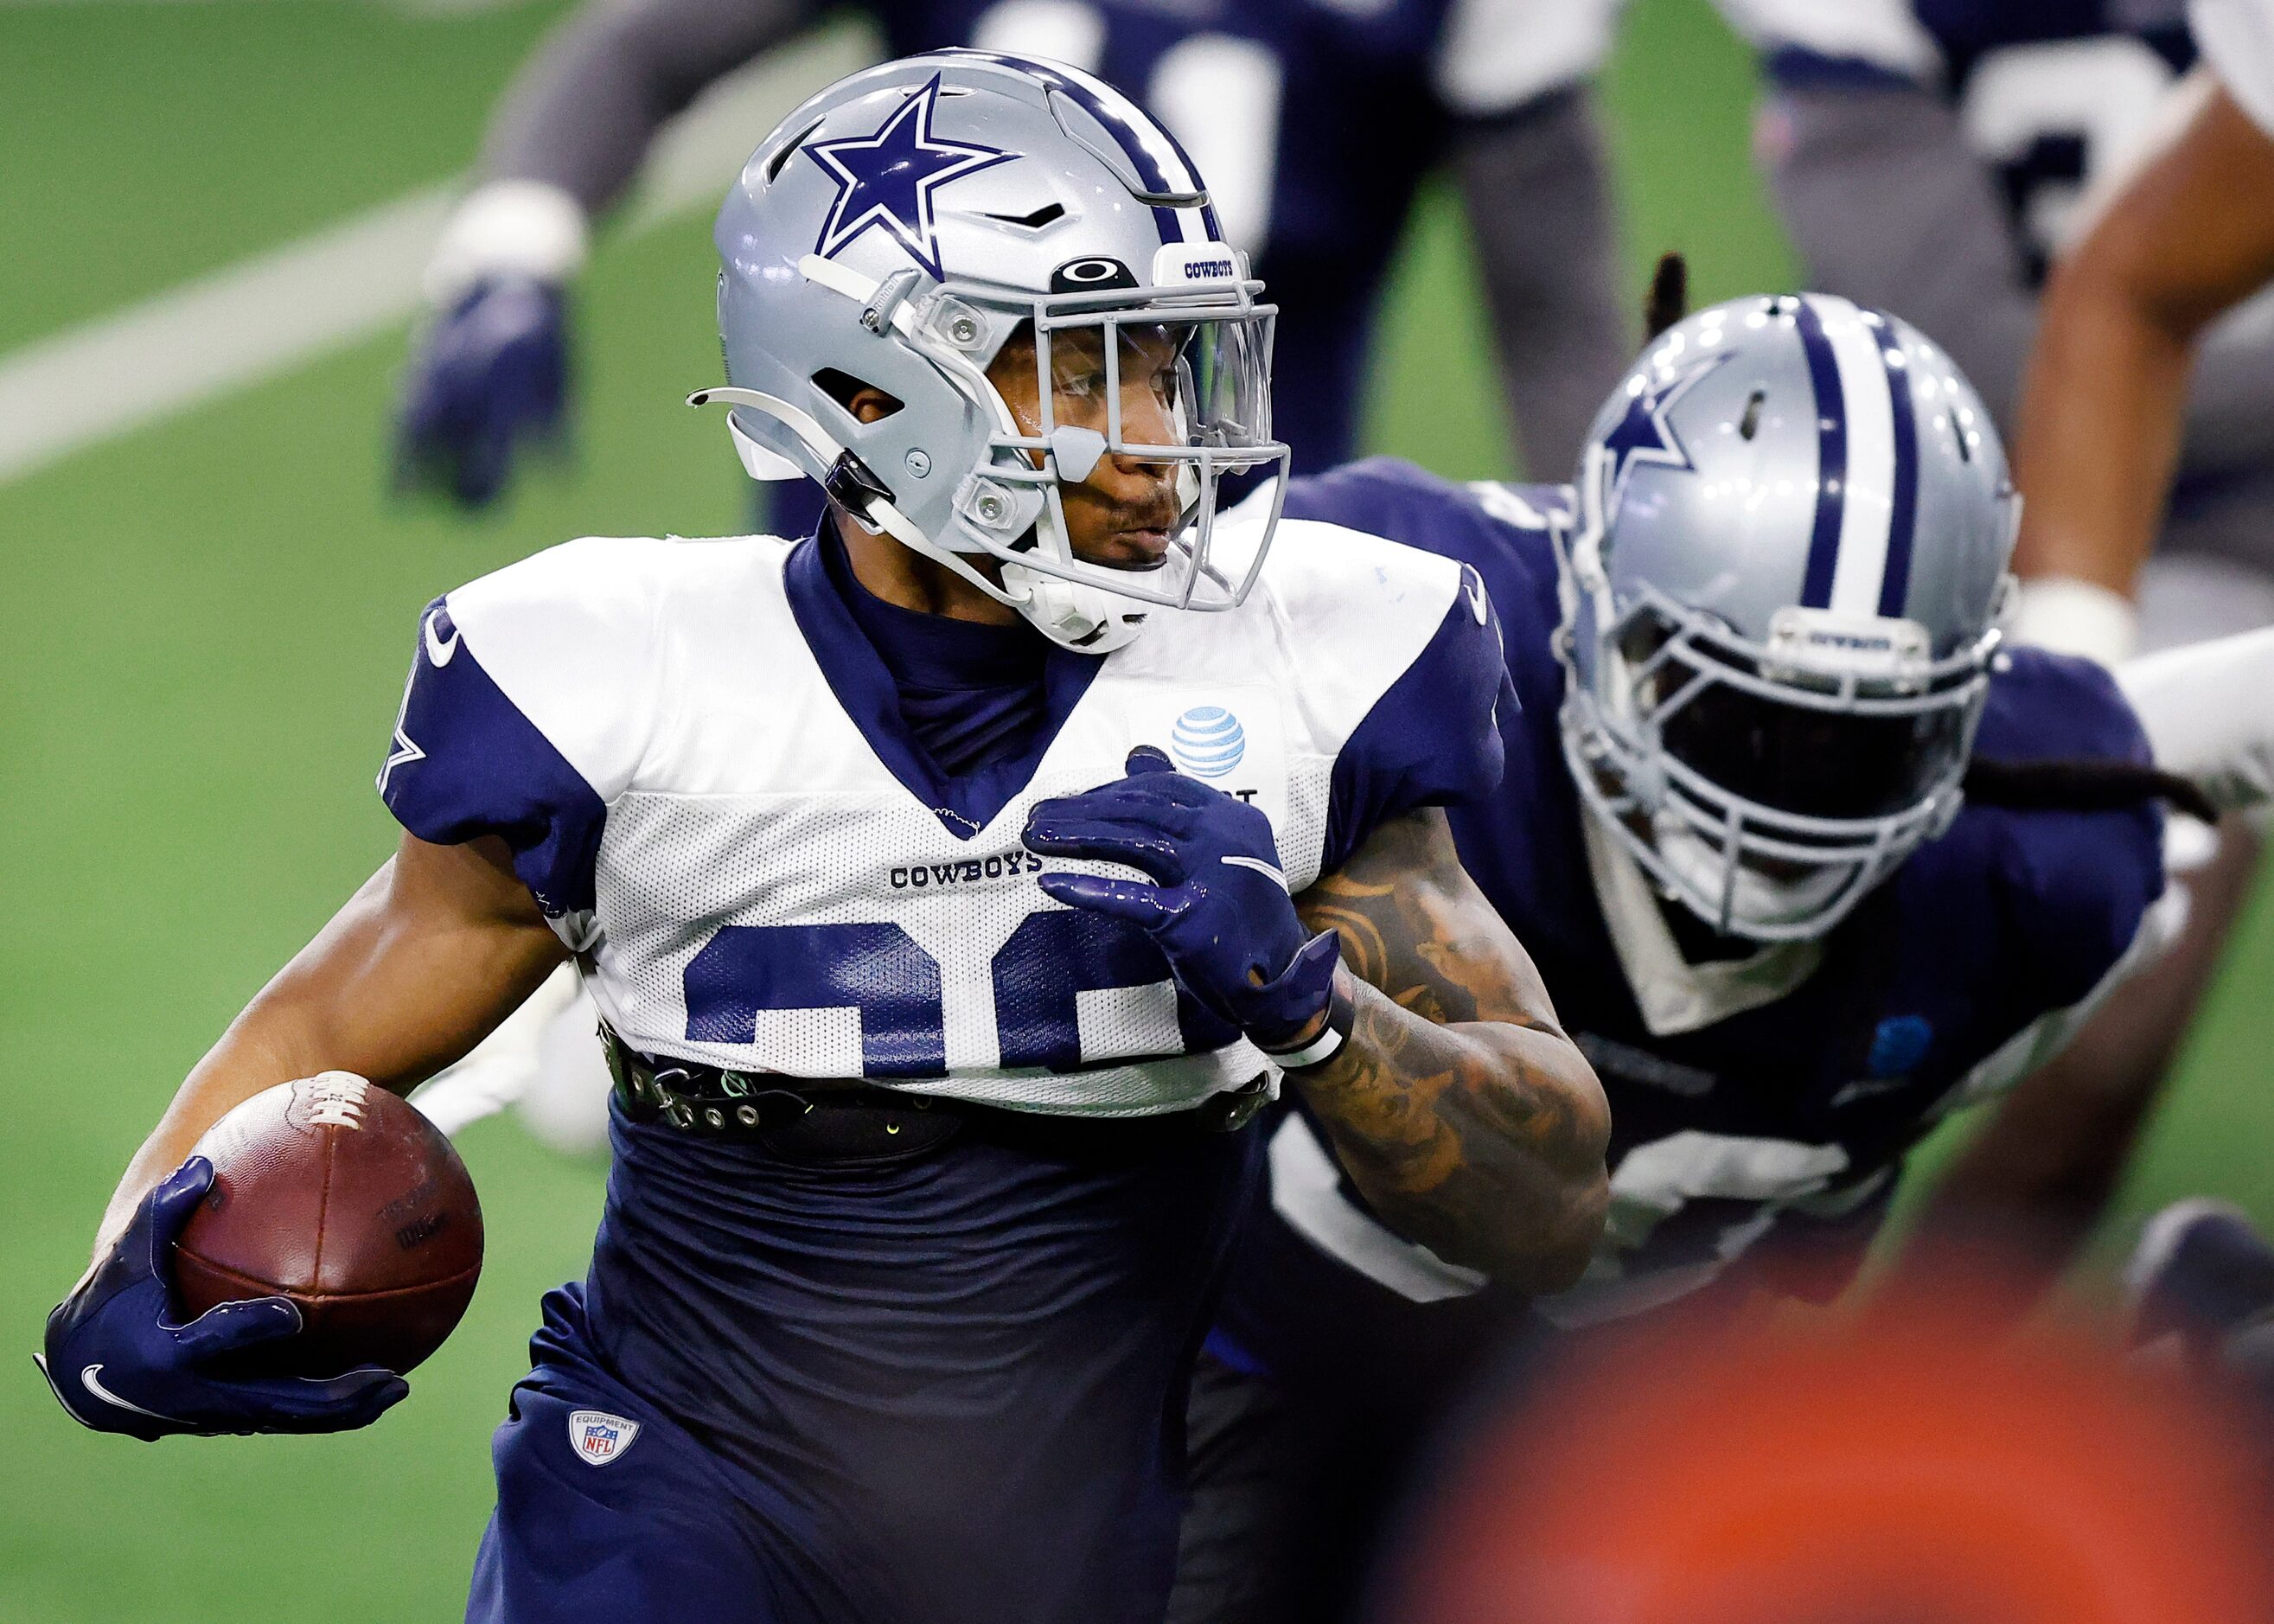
(611, 1518)
(1248, 1459)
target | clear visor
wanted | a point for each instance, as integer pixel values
(1143, 402)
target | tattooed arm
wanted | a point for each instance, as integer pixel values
(1467, 1119)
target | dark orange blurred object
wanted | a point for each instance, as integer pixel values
(1908, 1469)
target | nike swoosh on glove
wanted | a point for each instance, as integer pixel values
(120, 1363)
(1218, 906)
(491, 376)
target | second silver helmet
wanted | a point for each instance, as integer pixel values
(1782, 599)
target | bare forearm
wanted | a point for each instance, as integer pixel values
(1482, 1140)
(403, 980)
(2190, 235)
(2102, 407)
(1460, 1109)
(581, 114)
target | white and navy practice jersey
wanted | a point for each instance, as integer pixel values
(1766, 1114)
(2048, 92)
(701, 767)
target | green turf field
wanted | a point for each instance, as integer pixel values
(207, 624)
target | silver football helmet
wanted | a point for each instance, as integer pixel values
(896, 231)
(1781, 602)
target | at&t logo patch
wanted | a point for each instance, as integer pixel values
(1208, 741)
(598, 1438)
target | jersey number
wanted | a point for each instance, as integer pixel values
(2051, 115)
(882, 973)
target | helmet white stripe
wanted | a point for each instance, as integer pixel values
(1139, 133)
(1867, 509)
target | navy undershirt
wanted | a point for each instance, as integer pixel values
(969, 693)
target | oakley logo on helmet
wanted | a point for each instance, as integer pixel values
(1081, 276)
(887, 180)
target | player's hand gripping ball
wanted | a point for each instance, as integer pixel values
(254, 1290)
(343, 1199)
(1218, 906)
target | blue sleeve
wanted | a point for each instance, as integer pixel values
(465, 762)
(1388, 496)
(2078, 882)
(1433, 738)
(2056, 708)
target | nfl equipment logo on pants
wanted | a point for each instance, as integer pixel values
(598, 1437)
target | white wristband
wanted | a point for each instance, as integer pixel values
(2070, 617)
(1322, 1047)
(509, 228)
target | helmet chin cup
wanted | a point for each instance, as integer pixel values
(1086, 619)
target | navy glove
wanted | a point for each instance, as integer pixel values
(120, 1363)
(491, 374)
(1219, 908)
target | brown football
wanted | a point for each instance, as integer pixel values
(343, 1198)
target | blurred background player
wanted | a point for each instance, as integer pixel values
(2135, 312)
(1317, 124)
(1811, 858)
(1934, 158)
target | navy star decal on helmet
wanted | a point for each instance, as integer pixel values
(1643, 434)
(887, 180)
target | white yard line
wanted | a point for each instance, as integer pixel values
(329, 291)
(219, 333)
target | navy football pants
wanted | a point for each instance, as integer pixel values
(948, 1389)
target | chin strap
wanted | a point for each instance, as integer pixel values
(849, 482)
(1073, 616)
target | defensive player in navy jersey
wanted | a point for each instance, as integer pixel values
(941, 881)
(1315, 123)
(1811, 858)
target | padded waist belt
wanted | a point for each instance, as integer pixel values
(847, 1115)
